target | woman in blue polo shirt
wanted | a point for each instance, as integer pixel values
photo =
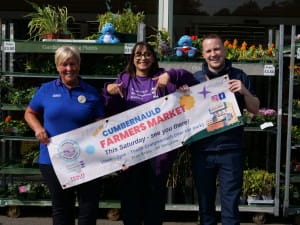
(65, 104)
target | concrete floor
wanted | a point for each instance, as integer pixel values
(42, 216)
(47, 221)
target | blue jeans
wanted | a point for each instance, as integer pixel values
(63, 201)
(227, 166)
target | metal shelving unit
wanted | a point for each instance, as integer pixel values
(291, 178)
(253, 69)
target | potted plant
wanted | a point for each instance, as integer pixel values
(161, 41)
(268, 185)
(11, 126)
(252, 184)
(247, 117)
(258, 184)
(295, 135)
(48, 22)
(43, 23)
(296, 106)
(20, 96)
(31, 157)
(64, 20)
(264, 115)
(125, 23)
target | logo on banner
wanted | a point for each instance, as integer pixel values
(69, 150)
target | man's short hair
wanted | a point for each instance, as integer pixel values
(212, 36)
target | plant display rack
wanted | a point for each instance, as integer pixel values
(11, 47)
(292, 178)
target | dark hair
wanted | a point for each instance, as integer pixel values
(212, 36)
(130, 68)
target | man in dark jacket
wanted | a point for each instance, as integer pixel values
(220, 156)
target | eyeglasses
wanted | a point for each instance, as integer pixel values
(139, 55)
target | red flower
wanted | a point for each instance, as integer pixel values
(194, 37)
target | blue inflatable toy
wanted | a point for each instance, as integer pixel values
(185, 47)
(107, 35)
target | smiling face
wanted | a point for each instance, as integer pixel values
(69, 71)
(214, 53)
(143, 60)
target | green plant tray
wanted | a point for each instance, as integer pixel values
(12, 107)
(18, 171)
(45, 202)
(42, 75)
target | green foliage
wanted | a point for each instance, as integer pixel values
(47, 20)
(161, 41)
(258, 182)
(45, 66)
(295, 133)
(14, 127)
(63, 19)
(28, 190)
(125, 22)
(20, 96)
(32, 155)
(43, 21)
(5, 88)
(111, 65)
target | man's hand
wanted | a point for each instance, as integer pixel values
(184, 88)
(237, 86)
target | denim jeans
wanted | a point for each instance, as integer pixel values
(63, 201)
(227, 167)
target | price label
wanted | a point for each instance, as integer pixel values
(298, 53)
(9, 46)
(269, 70)
(128, 48)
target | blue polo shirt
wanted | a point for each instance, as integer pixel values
(64, 110)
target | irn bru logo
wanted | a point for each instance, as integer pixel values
(218, 97)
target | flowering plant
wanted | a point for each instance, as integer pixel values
(10, 126)
(196, 42)
(245, 52)
(161, 41)
(265, 115)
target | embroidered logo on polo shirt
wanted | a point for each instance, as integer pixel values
(56, 95)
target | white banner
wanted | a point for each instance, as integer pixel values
(143, 132)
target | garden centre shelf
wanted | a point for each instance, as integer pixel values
(20, 46)
(257, 129)
(292, 179)
(18, 171)
(252, 69)
(39, 75)
(116, 204)
(19, 202)
(12, 107)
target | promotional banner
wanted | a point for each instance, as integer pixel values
(143, 132)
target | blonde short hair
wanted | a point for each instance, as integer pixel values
(65, 52)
